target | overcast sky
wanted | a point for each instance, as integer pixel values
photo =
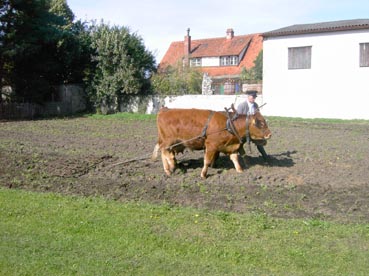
(160, 22)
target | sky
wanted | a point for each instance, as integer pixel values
(160, 22)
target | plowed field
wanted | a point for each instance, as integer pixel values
(317, 169)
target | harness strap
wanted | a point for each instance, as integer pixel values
(231, 128)
(248, 129)
(203, 133)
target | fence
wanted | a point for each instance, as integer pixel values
(16, 111)
(70, 100)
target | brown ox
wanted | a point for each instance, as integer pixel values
(199, 129)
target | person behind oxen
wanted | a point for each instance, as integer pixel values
(249, 107)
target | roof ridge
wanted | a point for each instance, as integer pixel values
(220, 37)
(328, 26)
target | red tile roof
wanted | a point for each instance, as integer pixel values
(215, 47)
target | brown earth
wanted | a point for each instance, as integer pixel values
(316, 169)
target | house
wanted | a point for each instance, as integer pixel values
(318, 70)
(221, 58)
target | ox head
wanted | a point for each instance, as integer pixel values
(258, 128)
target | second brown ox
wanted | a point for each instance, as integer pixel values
(199, 129)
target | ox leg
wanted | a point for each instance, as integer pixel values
(263, 152)
(155, 152)
(209, 159)
(234, 158)
(168, 160)
(216, 156)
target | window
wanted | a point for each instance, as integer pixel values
(195, 62)
(299, 57)
(228, 88)
(364, 54)
(228, 60)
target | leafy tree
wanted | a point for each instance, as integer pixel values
(8, 47)
(258, 68)
(25, 47)
(255, 73)
(177, 80)
(40, 47)
(247, 75)
(65, 16)
(123, 65)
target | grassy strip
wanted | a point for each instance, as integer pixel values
(317, 120)
(124, 116)
(149, 117)
(48, 234)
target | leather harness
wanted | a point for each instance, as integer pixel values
(232, 129)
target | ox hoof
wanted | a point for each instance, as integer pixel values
(239, 169)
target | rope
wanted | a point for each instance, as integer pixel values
(129, 161)
(194, 138)
(203, 133)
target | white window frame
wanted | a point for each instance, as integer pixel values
(195, 62)
(229, 61)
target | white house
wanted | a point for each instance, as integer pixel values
(317, 70)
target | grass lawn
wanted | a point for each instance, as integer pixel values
(49, 234)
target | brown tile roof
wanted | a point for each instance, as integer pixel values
(215, 47)
(332, 26)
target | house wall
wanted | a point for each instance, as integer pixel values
(334, 87)
(209, 61)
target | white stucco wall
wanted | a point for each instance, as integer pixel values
(335, 86)
(212, 102)
(210, 61)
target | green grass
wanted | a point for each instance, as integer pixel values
(124, 116)
(48, 234)
(316, 120)
(149, 117)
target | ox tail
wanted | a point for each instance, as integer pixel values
(155, 152)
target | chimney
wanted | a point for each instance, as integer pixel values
(187, 46)
(230, 33)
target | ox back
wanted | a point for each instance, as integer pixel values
(199, 129)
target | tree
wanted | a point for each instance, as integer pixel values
(123, 65)
(7, 43)
(26, 47)
(258, 68)
(64, 14)
(256, 72)
(40, 47)
(177, 80)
